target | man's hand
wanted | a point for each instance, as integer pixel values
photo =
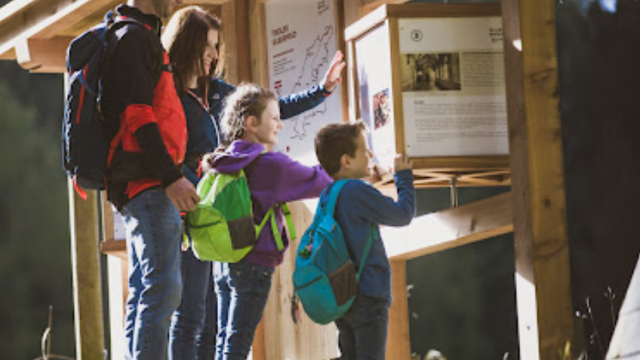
(183, 195)
(332, 77)
(402, 162)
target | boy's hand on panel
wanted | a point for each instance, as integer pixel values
(402, 162)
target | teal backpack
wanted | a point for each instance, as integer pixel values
(325, 279)
(221, 228)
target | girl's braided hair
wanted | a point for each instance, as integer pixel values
(247, 100)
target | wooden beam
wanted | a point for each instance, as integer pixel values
(545, 315)
(13, 8)
(448, 229)
(351, 10)
(370, 5)
(229, 42)
(45, 19)
(207, 2)
(398, 344)
(339, 16)
(74, 19)
(39, 55)
(108, 231)
(258, 348)
(243, 28)
(9, 54)
(117, 248)
(259, 71)
(118, 280)
(87, 282)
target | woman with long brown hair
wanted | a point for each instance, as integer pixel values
(192, 40)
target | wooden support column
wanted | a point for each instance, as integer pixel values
(87, 283)
(398, 344)
(258, 43)
(351, 12)
(236, 25)
(545, 316)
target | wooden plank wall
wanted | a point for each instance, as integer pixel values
(285, 339)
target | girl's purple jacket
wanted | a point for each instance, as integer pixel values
(273, 178)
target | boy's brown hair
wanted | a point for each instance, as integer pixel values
(335, 140)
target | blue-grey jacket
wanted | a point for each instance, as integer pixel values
(203, 126)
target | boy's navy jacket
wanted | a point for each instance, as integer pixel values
(202, 130)
(360, 205)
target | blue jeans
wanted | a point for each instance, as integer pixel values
(154, 233)
(194, 323)
(242, 290)
(363, 329)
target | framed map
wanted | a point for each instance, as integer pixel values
(301, 41)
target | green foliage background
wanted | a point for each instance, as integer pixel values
(35, 258)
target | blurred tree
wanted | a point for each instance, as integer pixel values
(34, 251)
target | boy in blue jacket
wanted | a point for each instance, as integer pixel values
(344, 154)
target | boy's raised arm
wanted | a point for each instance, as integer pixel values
(379, 209)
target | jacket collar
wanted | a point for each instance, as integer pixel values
(148, 19)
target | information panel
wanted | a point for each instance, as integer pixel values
(453, 86)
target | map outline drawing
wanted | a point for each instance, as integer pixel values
(316, 59)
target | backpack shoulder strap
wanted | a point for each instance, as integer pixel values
(373, 235)
(332, 198)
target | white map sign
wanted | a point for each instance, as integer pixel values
(301, 42)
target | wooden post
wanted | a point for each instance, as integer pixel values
(87, 283)
(541, 244)
(241, 50)
(398, 344)
(258, 43)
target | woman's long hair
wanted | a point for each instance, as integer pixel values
(185, 39)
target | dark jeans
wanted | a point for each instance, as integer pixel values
(363, 329)
(193, 325)
(242, 290)
(154, 233)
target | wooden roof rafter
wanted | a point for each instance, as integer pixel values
(36, 33)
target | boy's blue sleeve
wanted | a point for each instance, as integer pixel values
(295, 104)
(379, 209)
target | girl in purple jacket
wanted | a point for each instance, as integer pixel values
(251, 123)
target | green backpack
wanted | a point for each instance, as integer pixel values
(221, 228)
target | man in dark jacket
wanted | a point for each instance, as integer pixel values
(145, 180)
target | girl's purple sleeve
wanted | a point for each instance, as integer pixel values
(295, 181)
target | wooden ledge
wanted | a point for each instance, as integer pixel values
(116, 248)
(450, 228)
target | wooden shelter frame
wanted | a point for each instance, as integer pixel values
(35, 33)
